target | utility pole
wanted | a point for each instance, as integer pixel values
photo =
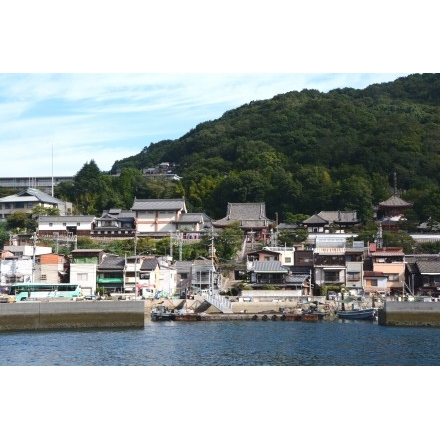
(34, 241)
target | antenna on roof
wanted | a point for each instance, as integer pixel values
(395, 183)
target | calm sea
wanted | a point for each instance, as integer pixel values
(227, 343)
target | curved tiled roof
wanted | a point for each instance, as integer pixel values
(395, 202)
(249, 215)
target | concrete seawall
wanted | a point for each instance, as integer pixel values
(71, 314)
(396, 313)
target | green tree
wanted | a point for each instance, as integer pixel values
(290, 237)
(21, 221)
(88, 188)
(227, 242)
(4, 235)
(39, 210)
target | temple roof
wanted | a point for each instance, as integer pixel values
(395, 202)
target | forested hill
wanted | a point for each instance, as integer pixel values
(303, 152)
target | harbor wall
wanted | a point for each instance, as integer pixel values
(71, 314)
(411, 313)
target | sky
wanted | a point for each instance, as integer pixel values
(53, 124)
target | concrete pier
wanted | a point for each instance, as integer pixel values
(71, 315)
(412, 313)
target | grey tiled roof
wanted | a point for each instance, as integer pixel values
(192, 218)
(339, 216)
(118, 214)
(248, 214)
(429, 266)
(283, 226)
(32, 194)
(68, 218)
(395, 202)
(159, 205)
(296, 278)
(269, 267)
(315, 220)
(183, 266)
(149, 264)
(112, 262)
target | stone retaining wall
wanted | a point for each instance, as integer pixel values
(411, 313)
(62, 315)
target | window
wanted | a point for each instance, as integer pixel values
(288, 260)
(393, 277)
(50, 224)
(43, 277)
(82, 277)
(353, 276)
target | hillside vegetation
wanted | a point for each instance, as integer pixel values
(299, 152)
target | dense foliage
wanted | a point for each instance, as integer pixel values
(303, 152)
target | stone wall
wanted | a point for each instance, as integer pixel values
(402, 313)
(61, 315)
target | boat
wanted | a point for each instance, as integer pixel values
(162, 313)
(367, 314)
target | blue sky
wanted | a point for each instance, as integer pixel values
(62, 121)
(89, 82)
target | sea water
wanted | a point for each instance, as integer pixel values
(227, 343)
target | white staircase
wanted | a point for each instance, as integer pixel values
(219, 301)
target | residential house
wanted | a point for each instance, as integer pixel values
(83, 268)
(272, 280)
(391, 262)
(65, 228)
(375, 282)
(329, 265)
(149, 277)
(166, 283)
(114, 223)
(28, 199)
(422, 274)
(183, 277)
(16, 270)
(110, 274)
(203, 275)
(158, 217)
(263, 255)
(354, 262)
(52, 268)
(193, 225)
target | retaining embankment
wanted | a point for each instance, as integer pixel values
(71, 314)
(237, 307)
(397, 313)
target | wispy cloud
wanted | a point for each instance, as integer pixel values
(65, 120)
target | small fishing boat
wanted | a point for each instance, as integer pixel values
(367, 314)
(162, 313)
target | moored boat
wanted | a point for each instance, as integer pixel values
(367, 314)
(162, 313)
